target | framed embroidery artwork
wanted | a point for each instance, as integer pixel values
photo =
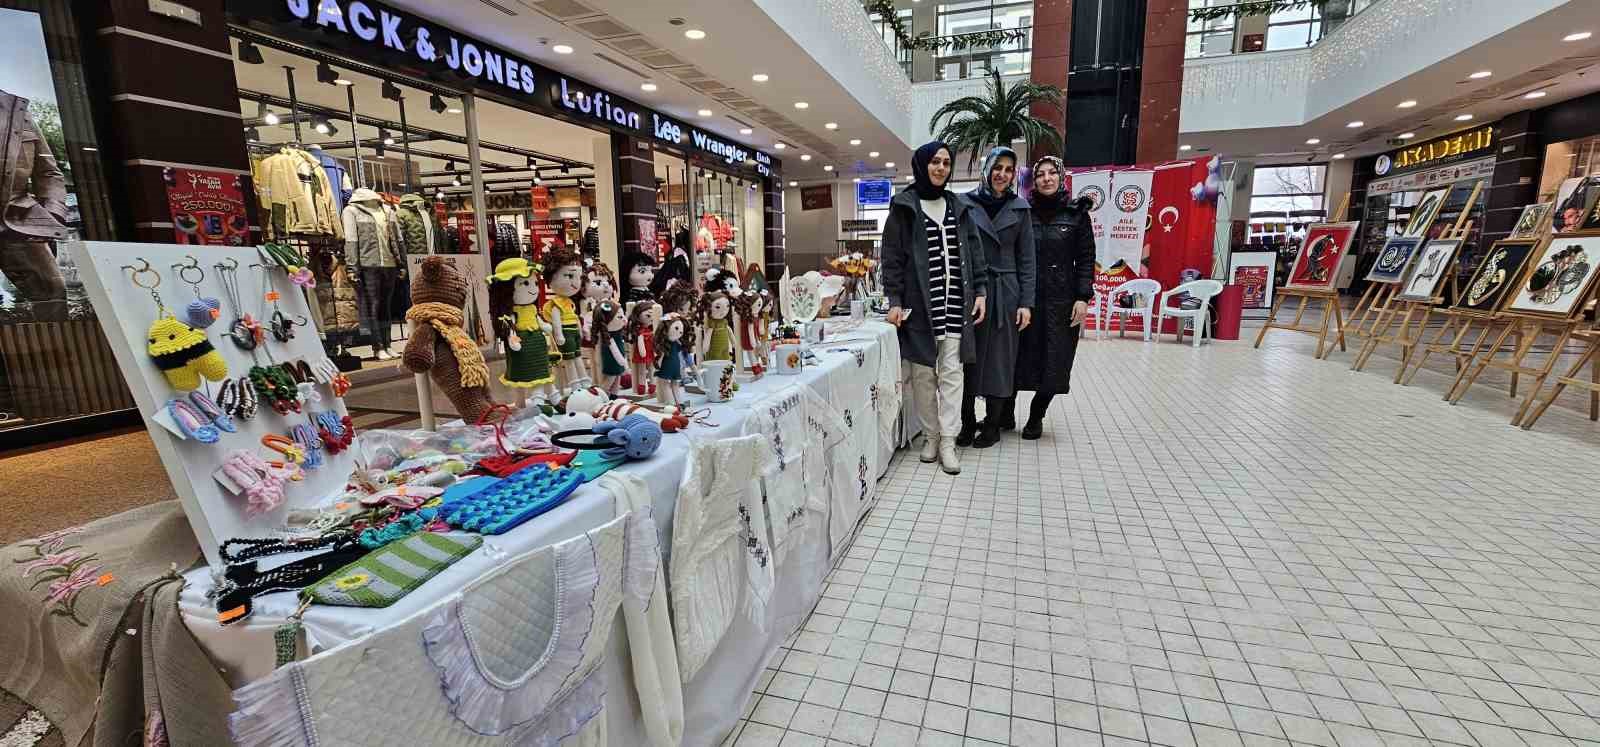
(1316, 266)
(1428, 272)
(1559, 280)
(1394, 259)
(1426, 210)
(1532, 217)
(1499, 271)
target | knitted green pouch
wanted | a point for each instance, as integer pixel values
(383, 576)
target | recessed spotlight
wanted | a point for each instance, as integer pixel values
(873, 154)
(1407, 135)
(780, 146)
(1577, 37)
(888, 164)
(1185, 148)
(648, 87)
(704, 112)
(857, 180)
(695, 34)
(829, 167)
(794, 184)
(805, 157)
(1481, 74)
(1338, 156)
(832, 125)
(1463, 117)
(270, 118)
(343, 82)
(855, 141)
(561, 49)
(1355, 124)
(801, 105)
(760, 78)
(1537, 95)
(1407, 104)
(1313, 141)
(746, 131)
(454, 110)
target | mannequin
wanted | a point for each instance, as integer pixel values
(372, 245)
(32, 218)
(417, 228)
(591, 239)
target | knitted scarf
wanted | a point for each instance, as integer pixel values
(447, 320)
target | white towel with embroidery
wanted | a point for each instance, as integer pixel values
(780, 418)
(644, 607)
(719, 545)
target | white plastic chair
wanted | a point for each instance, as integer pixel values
(1203, 290)
(1146, 289)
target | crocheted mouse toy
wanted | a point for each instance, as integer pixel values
(635, 436)
(439, 344)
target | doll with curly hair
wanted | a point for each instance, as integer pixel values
(670, 363)
(608, 327)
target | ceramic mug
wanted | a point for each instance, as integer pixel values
(716, 378)
(790, 360)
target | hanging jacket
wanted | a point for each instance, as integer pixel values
(418, 228)
(295, 194)
(25, 158)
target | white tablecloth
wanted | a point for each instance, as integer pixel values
(714, 700)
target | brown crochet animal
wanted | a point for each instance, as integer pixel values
(439, 344)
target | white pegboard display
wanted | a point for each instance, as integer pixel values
(126, 312)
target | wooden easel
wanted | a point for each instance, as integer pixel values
(1389, 312)
(1529, 329)
(1591, 356)
(1332, 311)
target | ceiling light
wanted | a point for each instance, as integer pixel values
(249, 54)
(343, 82)
(1463, 117)
(1407, 104)
(1481, 74)
(832, 125)
(436, 103)
(385, 136)
(1407, 135)
(888, 164)
(1313, 141)
(1355, 124)
(704, 112)
(910, 178)
(321, 125)
(1185, 148)
(90, 149)
(391, 91)
(1537, 95)
(1338, 156)
(647, 87)
(857, 180)
(695, 34)
(829, 167)
(1577, 37)
(801, 105)
(794, 184)
(805, 157)
(561, 49)
(325, 73)
(333, 129)
(454, 110)
(456, 181)
(873, 154)
(760, 78)
(537, 180)
(746, 131)
(855, 141)
(780, 146)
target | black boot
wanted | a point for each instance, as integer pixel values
(969, 421)
(1033, 430)
(1036, 412)
(1007, 410)
(989, 433)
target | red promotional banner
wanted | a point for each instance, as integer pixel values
(207, 207)
(1253, 279)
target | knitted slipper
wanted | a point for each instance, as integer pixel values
(190, 422)
(211, 411)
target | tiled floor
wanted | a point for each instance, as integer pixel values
(1219, 547)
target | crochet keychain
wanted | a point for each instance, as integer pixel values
(337, 432)
(204, 310)
(181, 352)
(261, 482)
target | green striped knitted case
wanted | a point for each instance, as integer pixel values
(383, 576)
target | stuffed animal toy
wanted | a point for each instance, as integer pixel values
(671, 420)
(586, 400)
(635, 436)
(439, 345)
(183, 354)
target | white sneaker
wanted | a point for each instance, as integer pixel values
(947, 456)
(384, 354)
(930, 449)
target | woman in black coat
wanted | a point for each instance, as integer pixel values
(1064, 251)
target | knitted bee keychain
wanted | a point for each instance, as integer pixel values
(183, 353)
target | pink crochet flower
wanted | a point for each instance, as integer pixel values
(77, 581)
(302, 277)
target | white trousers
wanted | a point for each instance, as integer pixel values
(937, 390)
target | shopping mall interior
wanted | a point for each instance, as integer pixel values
(585, 372)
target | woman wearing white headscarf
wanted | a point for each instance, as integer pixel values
(1005, 230)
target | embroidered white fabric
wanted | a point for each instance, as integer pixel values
(780, 418)
(651, 648)
(472, 643)
(719, 545)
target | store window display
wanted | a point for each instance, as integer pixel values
(372, 246)
(36, 210)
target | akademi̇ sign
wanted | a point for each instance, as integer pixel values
(1437, 152)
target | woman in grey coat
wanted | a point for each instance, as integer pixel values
(1005, 230)
(935, 281)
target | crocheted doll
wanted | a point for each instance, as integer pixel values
(754, 309)
(670, 363)
(608, 329)
(563, 279)
(642, 320)
(638, 270)
(680, 299)
(718, 322)
(183, 354)
(439, 345)
(599, 284)
(514, 304)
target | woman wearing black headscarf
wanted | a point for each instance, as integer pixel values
(935, 281)
(1006, 231)
(1064, 248)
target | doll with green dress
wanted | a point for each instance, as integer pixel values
(514, 304)
(563, 279)
(718, 322)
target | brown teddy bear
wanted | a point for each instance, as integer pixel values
(439, 344)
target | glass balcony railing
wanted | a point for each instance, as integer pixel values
(982, 35)
(1286, 29)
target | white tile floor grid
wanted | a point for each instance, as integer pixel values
(1218, 547)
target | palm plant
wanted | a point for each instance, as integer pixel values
(976, 123)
